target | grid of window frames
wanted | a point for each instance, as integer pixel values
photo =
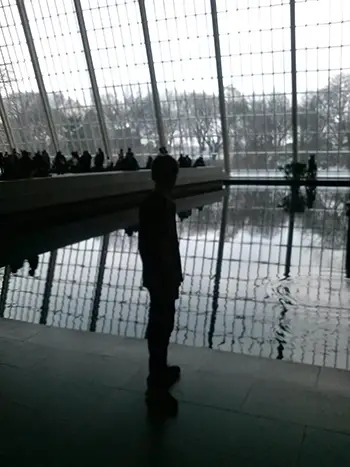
(62, 62)
(183, 51)
(18, 85)
(323, 59)
(256, 61)
(118, 51)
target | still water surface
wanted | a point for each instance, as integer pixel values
(241, 293)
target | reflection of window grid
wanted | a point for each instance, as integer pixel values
(254, 224)
(182, 44)
(319, 247)
(25, 293)
(59, 48)
(20, 92)
(119, 56)
(323, 51)
(73, 285)
(123, 305)
(255, 50)
(259, 312)
(199, 236)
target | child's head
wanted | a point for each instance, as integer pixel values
(164, 172)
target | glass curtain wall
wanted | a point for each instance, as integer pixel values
(62, 61)
(18, 85)
(323, 59)
(255, 49)
(256, 61)
(184, 56)
(118, 51)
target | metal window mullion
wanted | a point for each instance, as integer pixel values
(48, 287)
(290, 234)
(38, 75)
(4, 290)
(217, 280)
(92, 75)
(222, 106)
(155, 93)
(6, 124)
(294, 82)
(99, 282)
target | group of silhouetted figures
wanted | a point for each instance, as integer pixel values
(15, 165)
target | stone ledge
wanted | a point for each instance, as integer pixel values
(38, 193)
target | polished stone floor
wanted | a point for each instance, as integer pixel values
(75, 398)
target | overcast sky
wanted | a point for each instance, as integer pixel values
(255, 45)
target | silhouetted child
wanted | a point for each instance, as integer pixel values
(162, 273)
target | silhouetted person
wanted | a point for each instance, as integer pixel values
(188, 161)
(85, 162)
(310, 196)
(182, 161)
(10, 166)
(109, 165)
(37, 163)
(130, 162)
(311, 167)
(120, 161)
(33, 264)
(199, 162)
(60, 165)
(182, 215)
(46, 162)
(162, 273)
(41, 164)
(74, 162)
(99, 160)
(149, 162)
(131, 230)
(16, 265)
(25, 165)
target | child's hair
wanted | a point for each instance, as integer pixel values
(164, 170)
